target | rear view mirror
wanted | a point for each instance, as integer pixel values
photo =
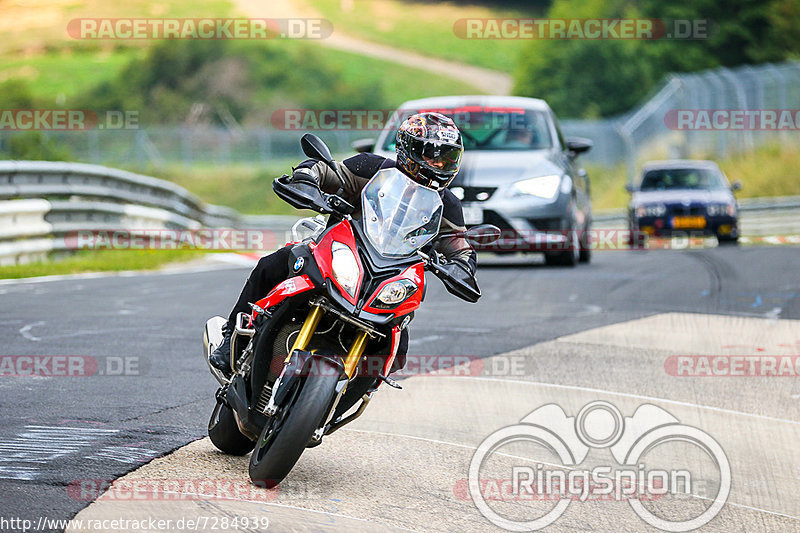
(482, 235)
(315, 148)
(737, 185)
(629, 187)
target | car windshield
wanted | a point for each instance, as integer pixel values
(682, 178)
(399, 215)
(495, 128)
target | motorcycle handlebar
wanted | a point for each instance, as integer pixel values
(456, 280)
(306, 195)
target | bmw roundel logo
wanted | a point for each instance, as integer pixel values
(298, 265)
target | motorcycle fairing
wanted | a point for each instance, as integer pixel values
(416, 274)
(285, 289)
(323, 255)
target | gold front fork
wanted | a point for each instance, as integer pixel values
(308, 329)
(355, 353)
(310, 326)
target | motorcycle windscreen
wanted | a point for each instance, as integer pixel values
(399, 216)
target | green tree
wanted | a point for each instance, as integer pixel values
(587, 78)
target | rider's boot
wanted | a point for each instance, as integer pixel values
(221, 357)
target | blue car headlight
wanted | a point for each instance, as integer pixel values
(651, 210)
(715, 210)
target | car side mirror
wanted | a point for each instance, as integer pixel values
(629, 187)
(737, 185)
(363, 145)
(579, 145)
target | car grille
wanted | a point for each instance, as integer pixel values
(680, 209)
(491, 217)
(545, 224)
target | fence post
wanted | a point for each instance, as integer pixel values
(746, 136)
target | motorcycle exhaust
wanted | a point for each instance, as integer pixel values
(212, 337)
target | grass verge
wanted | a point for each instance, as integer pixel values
(246, 188)
(100, 261)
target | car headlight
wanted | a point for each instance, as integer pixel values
(651, 210)
(345, 267)
(714, 210)
(543, 187)
(394, 293)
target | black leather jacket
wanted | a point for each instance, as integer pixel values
(359, 169)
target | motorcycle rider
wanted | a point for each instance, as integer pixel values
(429, 150)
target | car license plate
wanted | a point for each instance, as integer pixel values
(472, 215)
(696, 222)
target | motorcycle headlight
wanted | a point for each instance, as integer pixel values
(394, 294)
(542, 187)
(345, 267)
(651, 210)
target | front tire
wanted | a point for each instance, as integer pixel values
(570, 257)
(279, 448)
(586, 247)
(224, 432)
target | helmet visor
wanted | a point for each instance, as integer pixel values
(440, 157)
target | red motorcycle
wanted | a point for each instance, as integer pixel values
(354, 287)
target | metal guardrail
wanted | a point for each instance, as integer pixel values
(41, 202)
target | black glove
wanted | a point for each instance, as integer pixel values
(463, 272)
(304, 175)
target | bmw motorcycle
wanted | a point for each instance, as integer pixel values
(353, 288)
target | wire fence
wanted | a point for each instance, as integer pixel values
(711, 114)
(677, 120)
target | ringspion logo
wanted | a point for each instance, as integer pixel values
(598, 425)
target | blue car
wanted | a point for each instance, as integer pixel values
(684, 197)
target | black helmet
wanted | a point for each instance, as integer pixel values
(429, 149)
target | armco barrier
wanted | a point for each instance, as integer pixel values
(42, 201)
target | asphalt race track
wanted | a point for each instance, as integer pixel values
(544, 335)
